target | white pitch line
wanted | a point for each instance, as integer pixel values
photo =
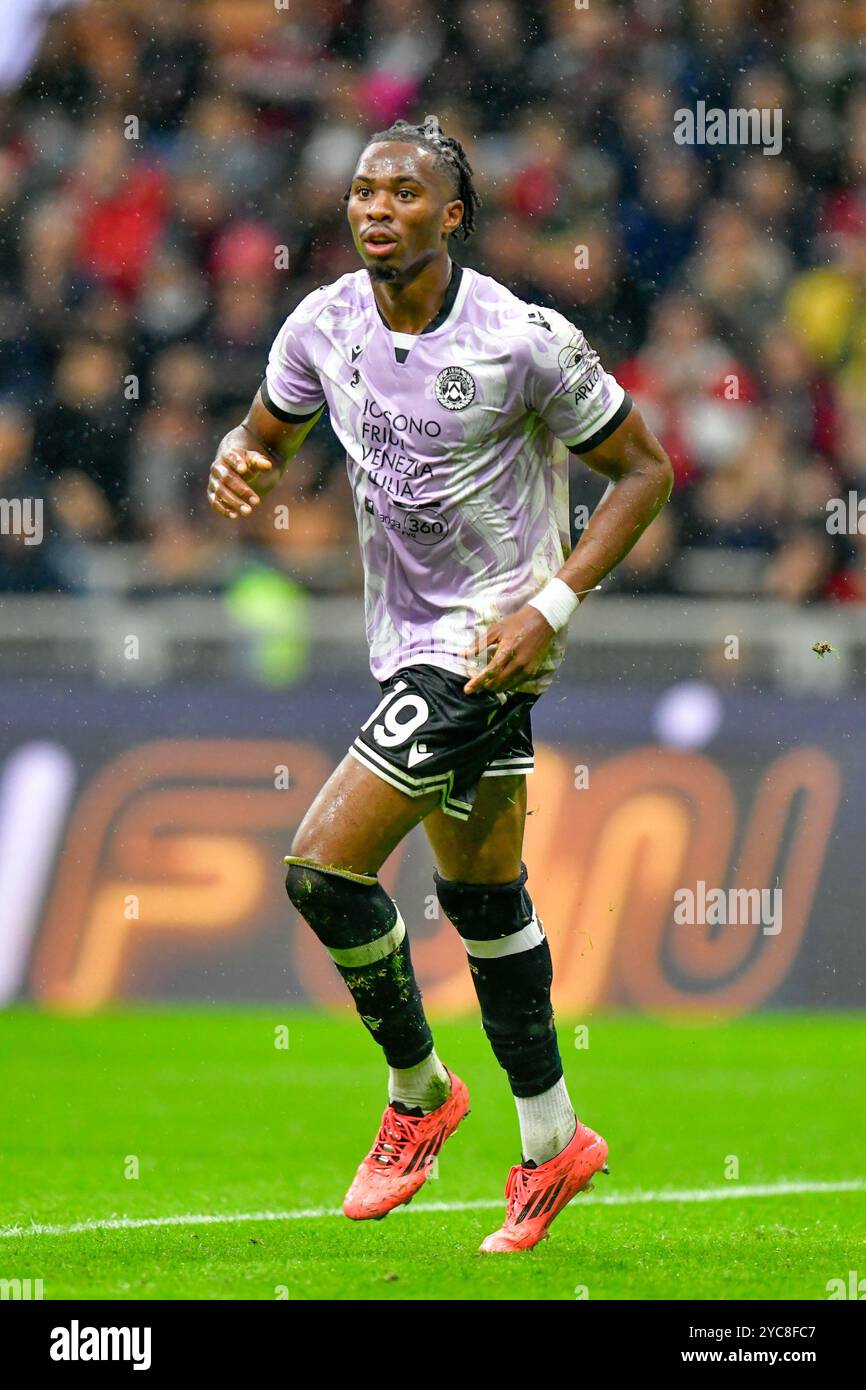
(614, 1199)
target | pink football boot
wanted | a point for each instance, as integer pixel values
(399, 1162)
(537, 1195)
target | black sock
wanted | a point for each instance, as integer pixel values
(511, 968)
(350, 914)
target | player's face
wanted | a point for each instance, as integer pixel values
(401, 209)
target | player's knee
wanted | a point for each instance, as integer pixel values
(344, 909)
(487, 911)
(512, 972)
(301, 882)
(508, 952)
(311, 882)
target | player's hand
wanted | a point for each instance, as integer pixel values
(232, 473)
(520, 643)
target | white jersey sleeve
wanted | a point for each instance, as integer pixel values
(292, 389)
(566, 384)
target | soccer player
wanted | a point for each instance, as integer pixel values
(457, 404)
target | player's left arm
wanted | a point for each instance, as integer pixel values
(640, 472)
(633, 460)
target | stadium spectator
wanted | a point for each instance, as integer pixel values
(144, 272)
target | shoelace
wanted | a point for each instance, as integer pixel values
(395, 1133)
(515, 1191)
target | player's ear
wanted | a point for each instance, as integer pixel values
(453, 216)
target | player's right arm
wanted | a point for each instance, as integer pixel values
(252, 458)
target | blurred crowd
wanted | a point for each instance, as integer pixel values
(171, 184)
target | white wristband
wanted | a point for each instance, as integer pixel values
(556, 603)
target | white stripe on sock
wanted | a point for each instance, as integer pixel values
(523, 940)
(372, 951)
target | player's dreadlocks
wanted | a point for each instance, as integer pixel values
(450, 156)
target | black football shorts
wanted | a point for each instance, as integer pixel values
(425, 735)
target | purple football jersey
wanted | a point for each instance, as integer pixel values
(456, 446)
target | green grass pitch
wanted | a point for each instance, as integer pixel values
(222, 1122)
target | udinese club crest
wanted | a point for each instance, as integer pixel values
(455, 388)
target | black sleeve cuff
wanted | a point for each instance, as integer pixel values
(606, 430)
(288, 417)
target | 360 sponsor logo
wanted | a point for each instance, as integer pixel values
(424, 526)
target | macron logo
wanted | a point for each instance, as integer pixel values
(77, 1343)
(417, 754)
